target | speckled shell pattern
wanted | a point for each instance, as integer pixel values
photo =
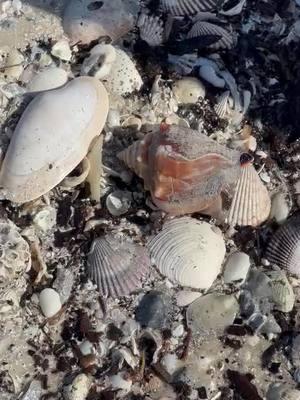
(284, 247)
(184, 170)
(117, 265)
(188, 7)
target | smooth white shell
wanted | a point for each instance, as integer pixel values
(236, 268)
(50, 302)
(50, 78)
(188, 252)
(188, 90)
(52, 137)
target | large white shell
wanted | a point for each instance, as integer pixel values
(188, 252)
(117, 265)
(204, 28)
(188, 7)
(124, 77)
(251, 203)
(52, 137)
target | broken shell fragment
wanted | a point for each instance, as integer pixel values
(284, 247)
(96, 168)
(251, 203)
(50, 78)
(50, 302)
(79, 388)
(99, 62)
(282, 292)
(188, 7)
(117, 265)
(236, 268)
(188, 252)
(52, 137)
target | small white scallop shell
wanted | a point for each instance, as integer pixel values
(204, 28)
(52, 137)
(284, 247)
(124, 77)
(188, 252)
(188, 7)
(117, 265)
(151, 29)
(99, 62)
(251, 202)
(221, 106)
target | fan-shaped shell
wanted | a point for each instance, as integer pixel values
(188, 7)
(204, 28)
(52, 137)
(184, 170)
(284, 247)
(117, 265)
(221, 107)
(188, 252)
(251, 202)
(151, 29)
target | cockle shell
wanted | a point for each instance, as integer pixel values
(52, 137)
(251, 203)
(184, 170)
(284, 247)
(204, 28)
(117, 265)
(151, 29)
(188, 7)
(188, 252)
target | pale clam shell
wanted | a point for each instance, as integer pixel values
(251, 202)
(282, 292)
(151, 29)
(204, 28)
(187, 7)
(188, 252)
(284, 247)
(117, 265)
(50, 302)
(52, 137)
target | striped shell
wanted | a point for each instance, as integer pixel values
(117, 265)
(284, 248)
(203, 28)
(251, 202)
(151, 29)
(221, 106)
(188, 7)
(188, 252)
(282, 291)
(184, 170)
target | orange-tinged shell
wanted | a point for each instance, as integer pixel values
(184, 170)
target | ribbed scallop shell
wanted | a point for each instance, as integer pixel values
(251, 202)
(284, 248)
(221, 107)
(188, 252)
(188, 7)
(117, 265)
(151, 29)
(203, 28)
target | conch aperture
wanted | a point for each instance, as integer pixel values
(187, 172)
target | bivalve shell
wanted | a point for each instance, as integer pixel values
(52, 137)
(284, 248)
(151, 29)
(50, 302)
(236, 268)
(188, 252)
(188, 7)
(282, 292)
(204, 28)
(117, 265)
(251, 203)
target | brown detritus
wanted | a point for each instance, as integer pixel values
(184, 350)
(243, 385)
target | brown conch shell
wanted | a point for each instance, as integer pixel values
(188, 172)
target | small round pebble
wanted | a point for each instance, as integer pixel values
(50, 302)
(279, 208)
(236, 268)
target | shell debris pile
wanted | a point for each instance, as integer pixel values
(149, 199)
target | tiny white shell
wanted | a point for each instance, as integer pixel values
(14, 65)
(52, 137)
(151, 29)
(50, 302)
(188, 252)
(204, 28)
(251, 203)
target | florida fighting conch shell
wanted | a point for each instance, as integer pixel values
(187, 172)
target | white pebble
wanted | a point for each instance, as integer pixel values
(178, 331)
(45, 219)
(86, 348)
(236, 268)
(265, 177)
(188, 90)
(79, 388)
(62, 50)
(279, 208)
(49, 302)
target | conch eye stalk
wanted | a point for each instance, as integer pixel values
(187, 172)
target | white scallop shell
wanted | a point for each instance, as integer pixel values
(251, 202)
(282, 291)
(204, 28)
(284, 248)
(52, 137)
(117, 265)
(221, 106)
(188, 7)
(188, 252)
(151, 29)
(124, 77)
(99, 62)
